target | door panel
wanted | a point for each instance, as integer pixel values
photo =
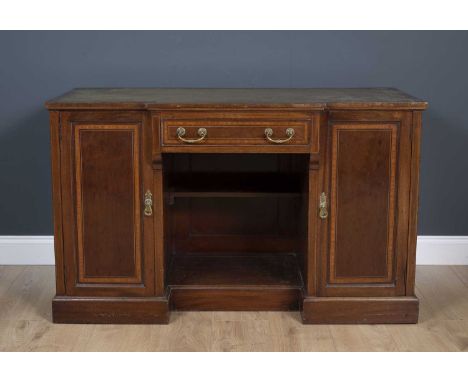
(106, 170)
(108, 203)
(362, 203)
(367, 168)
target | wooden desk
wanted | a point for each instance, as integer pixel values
(235, 199)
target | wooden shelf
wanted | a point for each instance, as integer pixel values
(199, 185)
(234, 194)
(235, 270)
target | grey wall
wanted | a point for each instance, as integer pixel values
(35, 66)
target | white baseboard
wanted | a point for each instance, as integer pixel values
(27, 250)
(442, 250)
(39, 250)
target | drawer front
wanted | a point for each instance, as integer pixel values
(274, 132)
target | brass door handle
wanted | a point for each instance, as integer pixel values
(323, 212)
(289, 134)
(201, 133)
(148, 203)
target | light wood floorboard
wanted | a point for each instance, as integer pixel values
(25, 323)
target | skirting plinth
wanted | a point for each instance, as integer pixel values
(360, 310)
(84, 310)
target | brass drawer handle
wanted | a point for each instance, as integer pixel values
(201, 133)
(323, 212)
(148, 203)
(289, 134)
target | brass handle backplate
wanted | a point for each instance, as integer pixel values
(289, 133)
(201, 133)
(323, 212)
(148, 203)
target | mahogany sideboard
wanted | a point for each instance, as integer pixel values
(235, 199)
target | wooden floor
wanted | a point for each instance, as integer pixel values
(25, 323)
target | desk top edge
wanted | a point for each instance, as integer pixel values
(180, 98)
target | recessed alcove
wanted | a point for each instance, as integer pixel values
(235, 220)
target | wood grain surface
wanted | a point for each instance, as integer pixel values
(25, 323)
(147, 98)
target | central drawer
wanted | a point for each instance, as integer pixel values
(238, 132)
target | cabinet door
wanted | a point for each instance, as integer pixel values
(106, 170)
(368, 169)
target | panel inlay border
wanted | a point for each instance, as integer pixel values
(82, 277)
(392, 127)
